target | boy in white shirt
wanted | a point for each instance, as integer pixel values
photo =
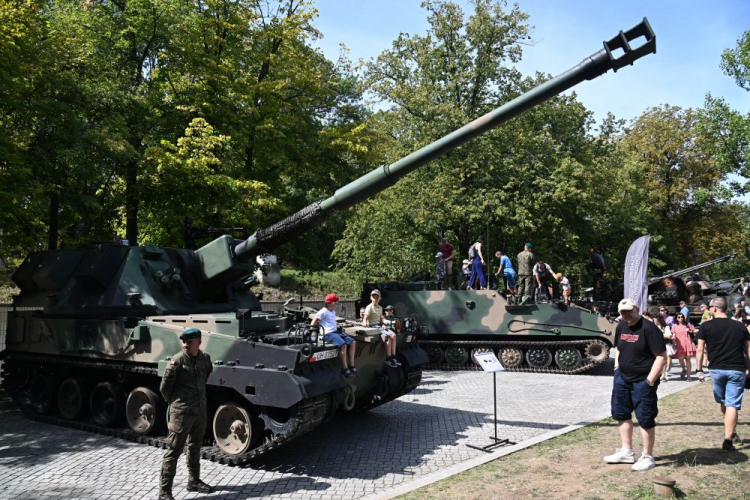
(326, 318)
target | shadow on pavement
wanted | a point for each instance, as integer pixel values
(29, 443)
(402, 443)
(266, 488)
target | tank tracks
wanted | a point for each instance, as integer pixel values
(305, 418)
(495, 344)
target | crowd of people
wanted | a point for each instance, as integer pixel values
(535, 280)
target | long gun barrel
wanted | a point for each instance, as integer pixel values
(223, 259)
(697, 267)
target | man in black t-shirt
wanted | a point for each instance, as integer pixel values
(639, 359)
(729, 341)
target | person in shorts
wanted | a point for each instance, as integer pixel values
(374, 319)
(639, 359)
(729, 342)
(326, 318)
(565, 283)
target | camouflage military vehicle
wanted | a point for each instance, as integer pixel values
(110, 317)
(536, 337)
(668, 290)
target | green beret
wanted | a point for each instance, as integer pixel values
(191, 334)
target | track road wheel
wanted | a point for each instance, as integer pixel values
(568, 358)
(141, 410)
(43, 394)
(72, 398)
(107, 404)
(511, 357)
(597, 352)
(456, 356)
(538, 357)
(232, 429)
(435, 354)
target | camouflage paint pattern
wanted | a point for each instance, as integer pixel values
(469, 313)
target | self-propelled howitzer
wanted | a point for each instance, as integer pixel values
(107, 319)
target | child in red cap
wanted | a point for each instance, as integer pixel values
(326, 318)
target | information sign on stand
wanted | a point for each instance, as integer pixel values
(489, 363)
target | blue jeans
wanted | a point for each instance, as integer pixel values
(729, 385)
(638, 397)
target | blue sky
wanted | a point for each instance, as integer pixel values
(690, 37)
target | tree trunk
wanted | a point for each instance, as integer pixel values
(131, 202)
(54, 219)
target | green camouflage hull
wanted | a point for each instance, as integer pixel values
(540, 337)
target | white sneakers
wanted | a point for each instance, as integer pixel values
(622, 456)
(646, 462)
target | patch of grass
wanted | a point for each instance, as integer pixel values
(688, 438)
(642, 493)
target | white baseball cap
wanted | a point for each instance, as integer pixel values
(626, 305)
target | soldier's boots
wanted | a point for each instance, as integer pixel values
(199, 486)
(166, 496)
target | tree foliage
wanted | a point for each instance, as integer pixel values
(541, 177)
(121, 118)
(736, 62)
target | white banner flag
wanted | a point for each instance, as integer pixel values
(636, 272)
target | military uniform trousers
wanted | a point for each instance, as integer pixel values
(524, 285)
(183, 429)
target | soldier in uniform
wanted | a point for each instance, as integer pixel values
(526, 261)
(184, 388)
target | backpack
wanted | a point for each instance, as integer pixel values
(472, 251)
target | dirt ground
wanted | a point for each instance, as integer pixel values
(689, 435)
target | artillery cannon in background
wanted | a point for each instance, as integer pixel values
(111, 316)
(542, 337)
(667, 290)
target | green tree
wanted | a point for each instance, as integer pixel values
(730, 128)
(541, 177)
(293, 119)
(21, 29)
(736, 62)
(684, 178)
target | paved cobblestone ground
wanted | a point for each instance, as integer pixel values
(354, 456)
